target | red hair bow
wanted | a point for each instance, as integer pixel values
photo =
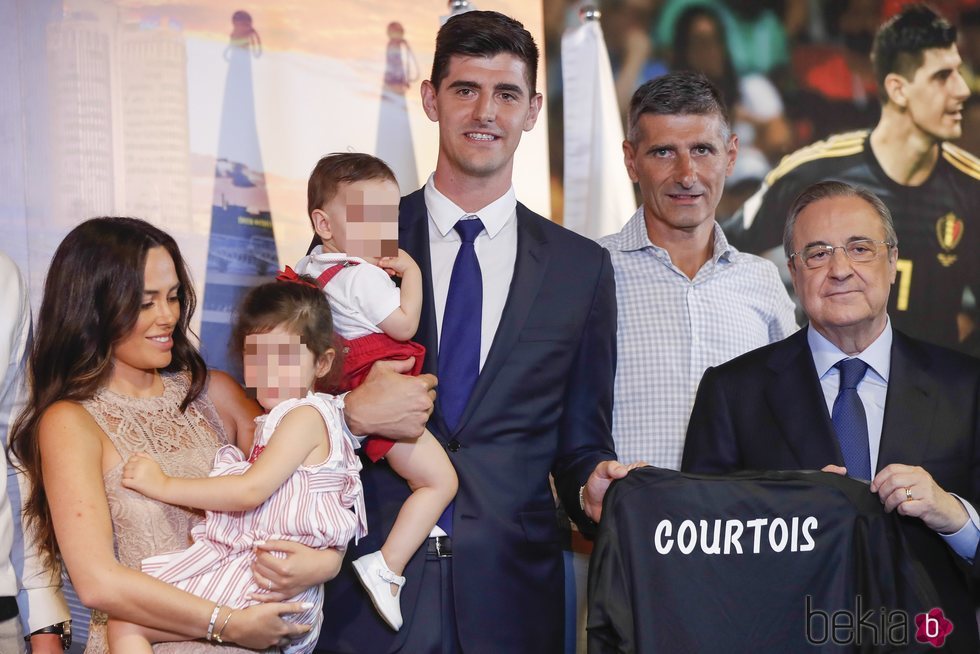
(289, 275)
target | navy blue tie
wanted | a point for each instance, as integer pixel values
(459, 342)
(850, 421)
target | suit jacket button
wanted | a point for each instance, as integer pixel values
(454, 445)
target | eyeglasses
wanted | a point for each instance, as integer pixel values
(863, 250)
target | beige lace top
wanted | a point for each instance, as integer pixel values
(184, 444)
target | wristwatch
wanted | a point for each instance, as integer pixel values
(63, 629)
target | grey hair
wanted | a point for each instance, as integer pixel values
(836, 189)
(677, 93)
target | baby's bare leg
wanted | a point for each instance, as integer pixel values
(424, 465)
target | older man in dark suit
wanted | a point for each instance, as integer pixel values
(851, 395)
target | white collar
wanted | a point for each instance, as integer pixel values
(445, 213)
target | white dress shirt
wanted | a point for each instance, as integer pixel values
(873, 389)
(496, 250)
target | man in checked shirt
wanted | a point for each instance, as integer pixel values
(686, 299)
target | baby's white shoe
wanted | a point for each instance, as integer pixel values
(377, 577)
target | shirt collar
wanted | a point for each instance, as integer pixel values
(878, 355)
(634, 237)
(445, 213)
(723, 250)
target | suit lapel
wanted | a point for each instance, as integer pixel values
(910, 406)
(797, 404)
(413, 237)
(529, 269)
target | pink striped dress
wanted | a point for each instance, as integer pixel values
(318, 506)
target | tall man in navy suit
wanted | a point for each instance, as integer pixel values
(525, 389)
(852, 395)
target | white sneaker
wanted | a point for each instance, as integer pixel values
(377, 578)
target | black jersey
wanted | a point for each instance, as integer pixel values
(938, 225)
(753, 562)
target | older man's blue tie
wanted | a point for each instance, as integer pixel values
(459, 342)
(850, 421)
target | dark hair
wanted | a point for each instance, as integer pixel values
(728, 84)
(92, 298)
(677, 93)
(342, 168)
(301, 307)
(836, 189)
(901, 41)
(484, 34)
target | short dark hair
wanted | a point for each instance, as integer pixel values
(299, 305)
(901, 41)
(484, 34)
(833, 188)
(342, 168)
(678, 93)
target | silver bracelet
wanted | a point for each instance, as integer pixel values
(214, 617)
(581, 499)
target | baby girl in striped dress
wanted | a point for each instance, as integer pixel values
(300, 482)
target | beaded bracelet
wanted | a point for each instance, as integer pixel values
(214, 616)
(217, 634)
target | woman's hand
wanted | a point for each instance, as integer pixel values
(285, 569)
(261, 626)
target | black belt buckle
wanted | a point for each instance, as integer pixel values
(444, 546)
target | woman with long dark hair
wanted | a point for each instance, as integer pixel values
(114, 372)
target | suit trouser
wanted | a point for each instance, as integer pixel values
(433, 626)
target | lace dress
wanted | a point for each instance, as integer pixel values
(184, 445)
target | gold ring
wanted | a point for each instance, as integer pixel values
(908, 494)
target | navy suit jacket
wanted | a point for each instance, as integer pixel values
(542, 405)
(765, 410)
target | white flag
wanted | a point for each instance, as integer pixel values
(598, 193)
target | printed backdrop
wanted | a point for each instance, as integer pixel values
(205, 118)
